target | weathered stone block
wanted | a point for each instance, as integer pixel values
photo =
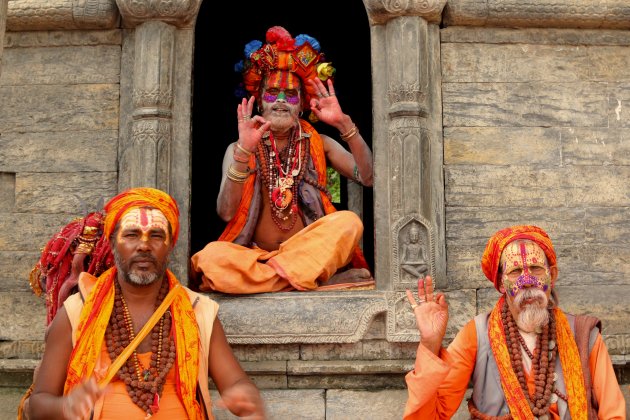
(287, 404)
(29, 232)
(25, 350)
(15, 267)
(595, 146)
(502, 146)
(344, 351)
(22, 316)
(61, 65)
(510, 63)
(48, 108)
(262, 352)
(74, 192)
(62, 38)
(48, 152)
(348, 381)
(350, 404)
(7, 186)
(529, 104)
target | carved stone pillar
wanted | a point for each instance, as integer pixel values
(156, 83)
(409, 211)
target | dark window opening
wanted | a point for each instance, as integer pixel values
(344, 35)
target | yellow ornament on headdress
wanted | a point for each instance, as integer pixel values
(325, 71)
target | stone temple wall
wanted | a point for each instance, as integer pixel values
(485, 114)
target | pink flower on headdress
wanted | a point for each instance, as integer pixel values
(281, 37)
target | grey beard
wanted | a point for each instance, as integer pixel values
(138, 279)
(534, 316)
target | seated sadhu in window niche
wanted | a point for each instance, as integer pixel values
(283, 232)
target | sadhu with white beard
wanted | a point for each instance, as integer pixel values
(526, 358)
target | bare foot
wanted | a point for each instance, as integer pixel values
(353, 275)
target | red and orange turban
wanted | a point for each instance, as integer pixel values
(141, 197)
(284, 57)
(498, 241)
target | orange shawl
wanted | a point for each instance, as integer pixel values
(236, 225)
(569, 360)
(91, 331)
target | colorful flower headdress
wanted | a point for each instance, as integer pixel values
(300, 56)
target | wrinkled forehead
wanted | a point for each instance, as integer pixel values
(145, 219)
(523, 252)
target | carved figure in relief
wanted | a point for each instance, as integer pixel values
(413, 259)
(527, 359)
(283, 232)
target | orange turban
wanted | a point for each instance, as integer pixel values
(498, 241)
(141, 197)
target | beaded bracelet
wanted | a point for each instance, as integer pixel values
(350, 133)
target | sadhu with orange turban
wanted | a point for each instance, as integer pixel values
(161, 367)
(526, 358)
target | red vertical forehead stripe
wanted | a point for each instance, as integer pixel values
(139, 198)
(498, 242)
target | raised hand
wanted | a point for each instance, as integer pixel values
(326, 107)
(250, 129)
(431, 313)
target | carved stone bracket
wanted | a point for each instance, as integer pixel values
(36, 15)
(380, 11)
(179, 13)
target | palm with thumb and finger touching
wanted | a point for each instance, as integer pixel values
(431, 314)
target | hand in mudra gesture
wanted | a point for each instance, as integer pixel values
(326, 106)
(431, 313)
(250, 129)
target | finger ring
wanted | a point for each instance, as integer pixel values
(326, 95)
(331, 94)
(414, 306)
(246, 117)
(320, 94)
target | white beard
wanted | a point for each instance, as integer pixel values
(532, 317)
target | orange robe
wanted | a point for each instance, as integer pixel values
(437, 385)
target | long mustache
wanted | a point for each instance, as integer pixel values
(531, 293)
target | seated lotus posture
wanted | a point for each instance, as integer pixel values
(527, 359)
(283, 232)
(134, 343)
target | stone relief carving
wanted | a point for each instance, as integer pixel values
(412, 251)
(401, 322)
(30, 15)
(152, 98)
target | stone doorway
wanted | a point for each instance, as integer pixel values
(344, 35)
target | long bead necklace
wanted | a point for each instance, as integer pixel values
(144, 385)
(282, 181)
(543, 364)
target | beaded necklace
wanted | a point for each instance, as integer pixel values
(283, 178)
(144, 384)
(543, 367)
